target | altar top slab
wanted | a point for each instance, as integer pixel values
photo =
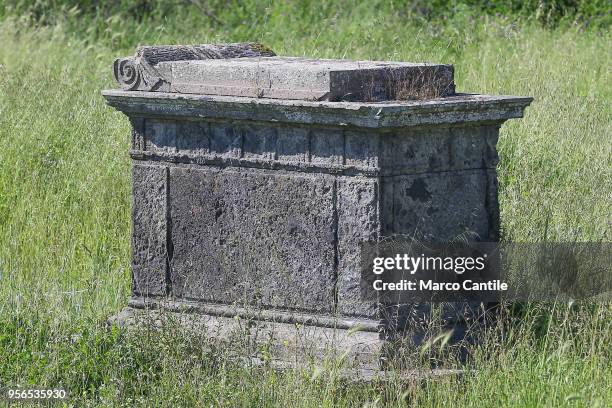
(291, 78)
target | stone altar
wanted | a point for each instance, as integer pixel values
(256, 178)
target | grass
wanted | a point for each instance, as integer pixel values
(64, 207)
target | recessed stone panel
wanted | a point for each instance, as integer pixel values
(441, 205)
(327, 146)
(225, 140)
(160, 135)
(357, 204)
(259, 141)
(474, 147)
(409, 151)
(253, 237)
(362, 148)
(293, 144)
(193, 138)
(149, 249)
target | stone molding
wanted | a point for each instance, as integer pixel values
(461, 108)
(332, 150)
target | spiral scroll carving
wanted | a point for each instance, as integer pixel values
(132, 75)
(140, 73)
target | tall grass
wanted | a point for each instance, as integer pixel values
(64, 206)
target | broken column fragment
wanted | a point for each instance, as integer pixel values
(142, 72)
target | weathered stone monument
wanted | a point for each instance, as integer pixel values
(256, 178)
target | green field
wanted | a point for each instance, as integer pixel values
(65, 201)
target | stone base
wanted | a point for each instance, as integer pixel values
(282, 336)
(353, 354)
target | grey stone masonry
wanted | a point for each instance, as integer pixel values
(261, 203)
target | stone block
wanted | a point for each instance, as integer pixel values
(193, 138)
(149, 230)
(474, 147)
(327, 146)
(439, 205)
(357, 203)
(421, 150)
(362, 148)
(253, 237)
(308, 79)
(259, 141)
(293, 144)
(160, 135)
(225, 140)
(138, 133)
